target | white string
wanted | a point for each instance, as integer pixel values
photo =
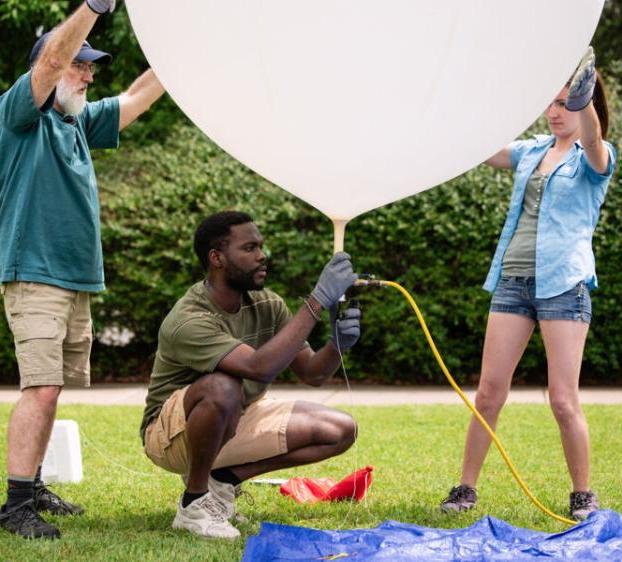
(355, 445)
(107, 458)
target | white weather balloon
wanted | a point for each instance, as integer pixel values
(353, 104)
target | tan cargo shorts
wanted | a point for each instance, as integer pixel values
(261, 434)
(53, 333)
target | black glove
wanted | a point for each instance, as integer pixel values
(336, 277)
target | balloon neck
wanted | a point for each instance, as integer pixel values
(339, 226)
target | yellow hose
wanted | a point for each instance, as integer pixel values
(471, 407)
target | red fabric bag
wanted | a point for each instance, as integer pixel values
(312, 490)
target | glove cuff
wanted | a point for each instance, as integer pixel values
(89, 3)
(318, 295)
(580, 102)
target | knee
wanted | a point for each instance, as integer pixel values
(565, 409)
(344, 430)
(489, 400)
(220, 389)
(218, 392)
(46, 397)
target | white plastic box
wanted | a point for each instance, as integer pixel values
(63, 458)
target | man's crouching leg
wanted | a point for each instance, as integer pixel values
(213, 406)
(314, 433)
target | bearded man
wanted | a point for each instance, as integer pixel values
(207, 417)
(50, 250)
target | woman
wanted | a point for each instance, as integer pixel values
(542, 271)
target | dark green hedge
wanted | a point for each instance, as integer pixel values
(438, 244)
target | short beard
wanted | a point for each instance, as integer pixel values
(71, 102)
(241, 280)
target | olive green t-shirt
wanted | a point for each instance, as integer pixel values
(197, 334)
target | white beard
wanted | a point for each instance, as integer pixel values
(71, 102)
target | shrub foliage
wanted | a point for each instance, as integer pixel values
(438, 244)
(167, 176)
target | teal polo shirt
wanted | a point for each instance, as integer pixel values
(49, 206)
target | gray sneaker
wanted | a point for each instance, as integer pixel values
(582, 504)
(207, 517)
(460, 498)
(227, 494)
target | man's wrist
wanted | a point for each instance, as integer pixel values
(314, 307)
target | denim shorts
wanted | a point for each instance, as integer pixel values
(517, 295)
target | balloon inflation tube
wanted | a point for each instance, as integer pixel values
(339, 229)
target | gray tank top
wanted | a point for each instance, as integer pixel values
(520, 257)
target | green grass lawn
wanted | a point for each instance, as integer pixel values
(416, 452)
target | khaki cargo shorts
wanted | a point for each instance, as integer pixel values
(260, 434)
(53, 333)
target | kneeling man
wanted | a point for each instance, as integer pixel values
(219, 349)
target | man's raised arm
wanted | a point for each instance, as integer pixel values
(145, 90)
(62, 46)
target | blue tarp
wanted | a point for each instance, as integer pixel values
(597, 538)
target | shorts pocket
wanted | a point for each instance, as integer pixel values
(171, 421)
(156, 440)
(80, 333)
(37, 345)
(77, 351)
(177, 420)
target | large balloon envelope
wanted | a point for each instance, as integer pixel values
(353, 104)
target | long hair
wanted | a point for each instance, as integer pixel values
(600, 105)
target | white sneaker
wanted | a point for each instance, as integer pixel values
(226, 493)
(207, 517)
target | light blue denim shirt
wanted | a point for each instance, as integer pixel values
(569, 212)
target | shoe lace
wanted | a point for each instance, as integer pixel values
(248, 497)
(458, 493)
(43, 492)
(28, 514)
(24, 513)
(581, 500)
(214, 506)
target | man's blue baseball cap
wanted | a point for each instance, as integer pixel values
(85, 54)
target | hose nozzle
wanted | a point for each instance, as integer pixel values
(368, 280)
